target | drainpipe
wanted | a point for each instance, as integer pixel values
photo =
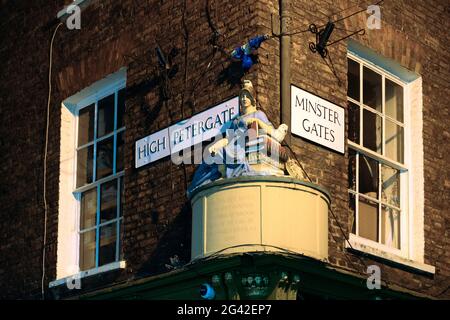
(285, 67)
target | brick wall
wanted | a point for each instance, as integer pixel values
(24, 52)
(115, 34)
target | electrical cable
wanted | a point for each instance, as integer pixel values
(333, 21)
(348, 258)
(442, 292)
(331, 67)
(355, 13)
(186, 56)
(134, 58)
(216, 48)
(348, 36)
(345, 236)
(359, 3)
(186, 44)
(217, 253)
(216, 33)
(45, 157)
(298, 162)
(346, 30)
(330, 209)
(291, 33)
(197, 82)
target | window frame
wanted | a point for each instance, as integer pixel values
(103, 92)
(403, 168)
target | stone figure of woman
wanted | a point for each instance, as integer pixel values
(228, 157)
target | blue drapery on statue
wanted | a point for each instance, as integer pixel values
(232, 156)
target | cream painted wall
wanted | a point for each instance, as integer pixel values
(264, 213)
(67, 252)
(416, 178)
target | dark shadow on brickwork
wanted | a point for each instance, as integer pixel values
(231, 75)
(162, 75)
(140, 90)
(174, 245)
(234, 73)
(138, 93)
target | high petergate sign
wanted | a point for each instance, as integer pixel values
(317, 120)
(186, 133)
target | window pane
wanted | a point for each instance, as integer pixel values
(372, 131)
(372, 89)
(86, 125)
(88, 209)
(394, 100)
(368, 219)
(87, 250)
(85, 159)
(107, 252)
(105, 116)
(394, 141)
(119, 152)
(120, 108)
(105, 155)
(353, 122)
(390, 227)
(390, 185)
(368, 176)
(353, 79)
(352, 169)
(108, 201)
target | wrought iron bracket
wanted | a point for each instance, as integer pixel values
(322, 37)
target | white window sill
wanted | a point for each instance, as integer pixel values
(377, 250)
(87, 273)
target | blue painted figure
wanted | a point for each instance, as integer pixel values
(228, 156)
(244, 52)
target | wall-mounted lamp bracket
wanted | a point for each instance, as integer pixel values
(323, 36)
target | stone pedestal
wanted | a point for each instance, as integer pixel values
(260, 213)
